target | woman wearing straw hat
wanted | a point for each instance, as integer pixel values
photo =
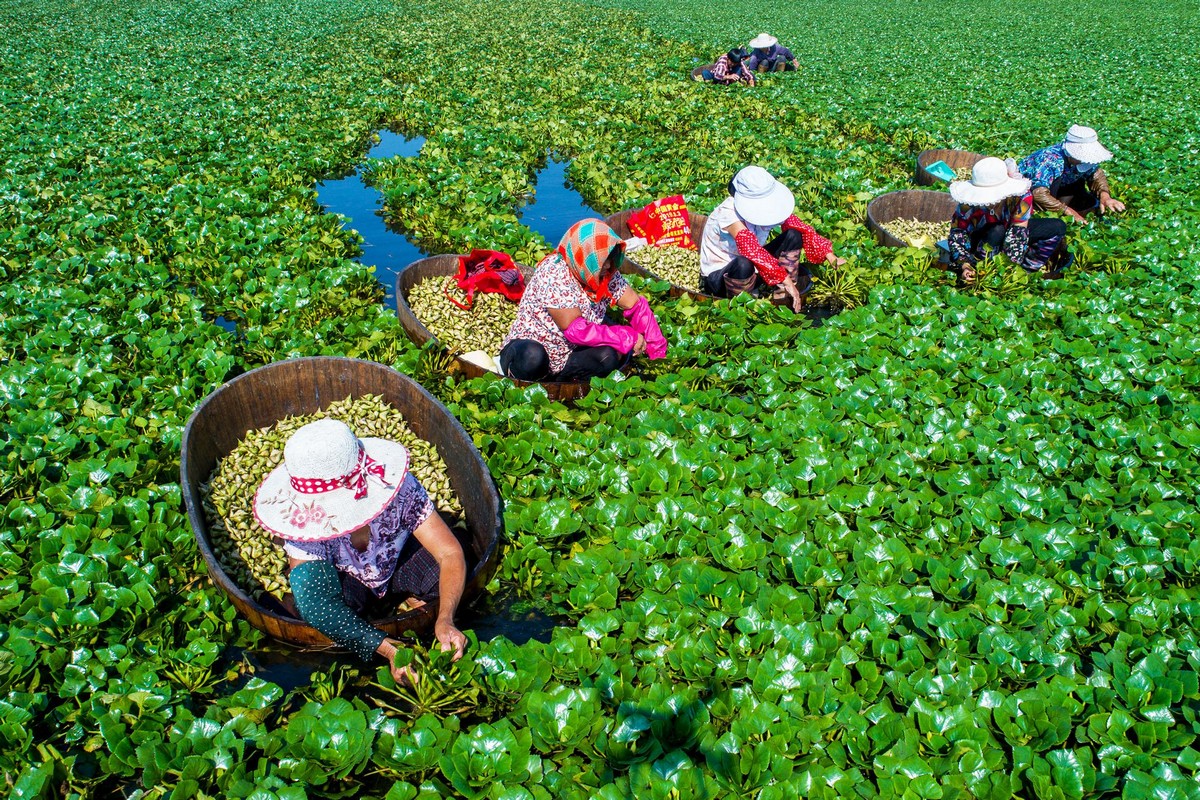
(1067, 177)
(994, 215)
(733, 258)
(559, 332)
(768, 55)
(360, 534)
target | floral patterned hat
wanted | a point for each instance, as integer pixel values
(330, 482)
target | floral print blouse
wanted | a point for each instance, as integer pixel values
(553, 286)
(1049, 164)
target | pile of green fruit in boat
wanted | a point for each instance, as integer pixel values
(918, 233)
(247, 552)
(481, 327)
(676, 265)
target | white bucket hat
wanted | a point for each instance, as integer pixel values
(1083, 144)
(990, 183)
(760, 199)
(763, 41)
(330, 482)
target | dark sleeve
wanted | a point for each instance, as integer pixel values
(318, 594)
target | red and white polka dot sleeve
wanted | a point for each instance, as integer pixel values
(816, 247)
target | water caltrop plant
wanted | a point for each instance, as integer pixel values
(941, 546)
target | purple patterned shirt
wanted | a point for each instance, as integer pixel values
(389, 531)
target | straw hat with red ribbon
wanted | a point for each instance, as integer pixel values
(330, 482)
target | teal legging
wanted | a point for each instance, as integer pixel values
(318, 593)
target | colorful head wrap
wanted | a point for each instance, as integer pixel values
(586, 248)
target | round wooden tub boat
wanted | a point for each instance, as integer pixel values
(955, 159)
(446, 266)
(619, 222)
(698, 72)
(920, 204)
(302, 386)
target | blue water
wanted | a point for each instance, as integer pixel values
(556, 206)
(386, 250)
(393, 144)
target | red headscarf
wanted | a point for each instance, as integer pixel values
(587, 248)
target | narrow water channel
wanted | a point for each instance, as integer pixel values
(556, 205)
(387, 250)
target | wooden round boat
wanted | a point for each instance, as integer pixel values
(263, 396)
(955, 159)
(698, 72)
(619, 222)
(444, 267)
(920, 204)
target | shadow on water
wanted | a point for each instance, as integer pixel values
(386, 250)
(489, 617)
(817, 316)
(289, 667)
(517, 621)
(556, 206)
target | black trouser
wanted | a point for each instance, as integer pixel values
(1046, 241)
(417, 575)
(740, 274)
(1078, 195)
(527, 360)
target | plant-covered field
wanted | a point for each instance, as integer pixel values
(942, 547)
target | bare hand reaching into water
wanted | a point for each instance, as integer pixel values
(789, 286)
(451, 638)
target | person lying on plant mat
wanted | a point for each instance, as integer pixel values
(559, 332)
(994, 215)
(361, 535)
(768, 55)
(1067, 177)
(733, 258)
(731, 68)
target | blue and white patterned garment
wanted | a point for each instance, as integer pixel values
(1050, 164)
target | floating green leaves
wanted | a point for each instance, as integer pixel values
(942, 546)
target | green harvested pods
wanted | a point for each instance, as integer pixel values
(248, 553)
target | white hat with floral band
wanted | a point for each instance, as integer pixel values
(760, 199)
(990, 183)
(1083, 144)
(330, 482)
(763, 41)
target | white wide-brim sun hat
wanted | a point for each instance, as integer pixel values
(763, 41)
(1082, 143)
(330, 483)
(760, 199)
(990, 183)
